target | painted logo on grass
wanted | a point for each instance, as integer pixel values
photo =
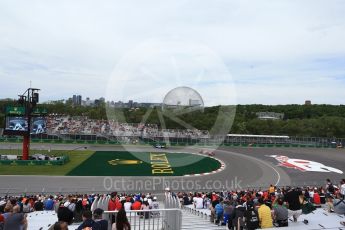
(169, 83)
(304, 165)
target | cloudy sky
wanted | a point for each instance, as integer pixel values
(270, 52)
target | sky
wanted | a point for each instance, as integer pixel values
(242, 52)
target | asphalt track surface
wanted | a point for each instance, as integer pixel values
(245, 168)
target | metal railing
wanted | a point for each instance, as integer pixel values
(160, 219)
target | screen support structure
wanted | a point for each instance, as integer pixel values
(29, 100)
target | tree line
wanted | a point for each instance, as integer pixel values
(299, 120)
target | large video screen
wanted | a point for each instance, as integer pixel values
(38, 125)
(19, 124)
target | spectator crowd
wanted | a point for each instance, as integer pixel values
(87, 210)
(82, 125)
(245, 209)
(266, 208)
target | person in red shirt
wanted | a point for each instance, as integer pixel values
(136, 205)
(114, 204)
(316, 199)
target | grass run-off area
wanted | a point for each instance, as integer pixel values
(76, 157)
(117, 163)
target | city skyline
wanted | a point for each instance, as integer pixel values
(232, 52)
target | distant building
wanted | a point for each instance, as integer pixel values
(307, 102)
(76, 99)
(130, 103)
(194, 102)
(270, 116)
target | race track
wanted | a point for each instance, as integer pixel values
(245, 168)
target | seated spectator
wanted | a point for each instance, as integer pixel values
(49, 203)
(70, 203)
(121, 221)
(281, 214)
(136, 205)
(236, 219)
(128, 204)
(16, 220)
(265, 217)
(89, 222)
(316, 199)
(2, 221)
(7, 210)
(198, 202)
(97, 216)
(38, 206)
(60, 225)
(27, 206)
(65, 217)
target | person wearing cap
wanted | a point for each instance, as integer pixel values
(97, 216)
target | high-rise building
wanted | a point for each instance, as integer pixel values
(76, 99)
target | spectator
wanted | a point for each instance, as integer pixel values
(316, 199)
(145, 206)
(281, 214)
(265, 217)
(236, 220)
(339, 205)
(342, 188)
(65, 218)
(60, 225)
(38, 206)
(70, 203)
(16, 220)
(198, 202)
(136, 205)
(329, 187)
(114, 205)
(97, 216)
(128, 204)
(88, 221)
(228, 209)
(219, 212)
(27, 206)
(8, 210)
(49, 204)
(121, 221)
(292, 197)
(78, 212)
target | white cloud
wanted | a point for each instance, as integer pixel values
(68, 47)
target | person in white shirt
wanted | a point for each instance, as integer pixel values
(128, 204)
(342, 188)
(198, 202)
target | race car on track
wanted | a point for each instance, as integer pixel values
(160, 146)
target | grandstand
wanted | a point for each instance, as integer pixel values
(179, 210)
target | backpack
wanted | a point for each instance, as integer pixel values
(251, 219)
(331, 188)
